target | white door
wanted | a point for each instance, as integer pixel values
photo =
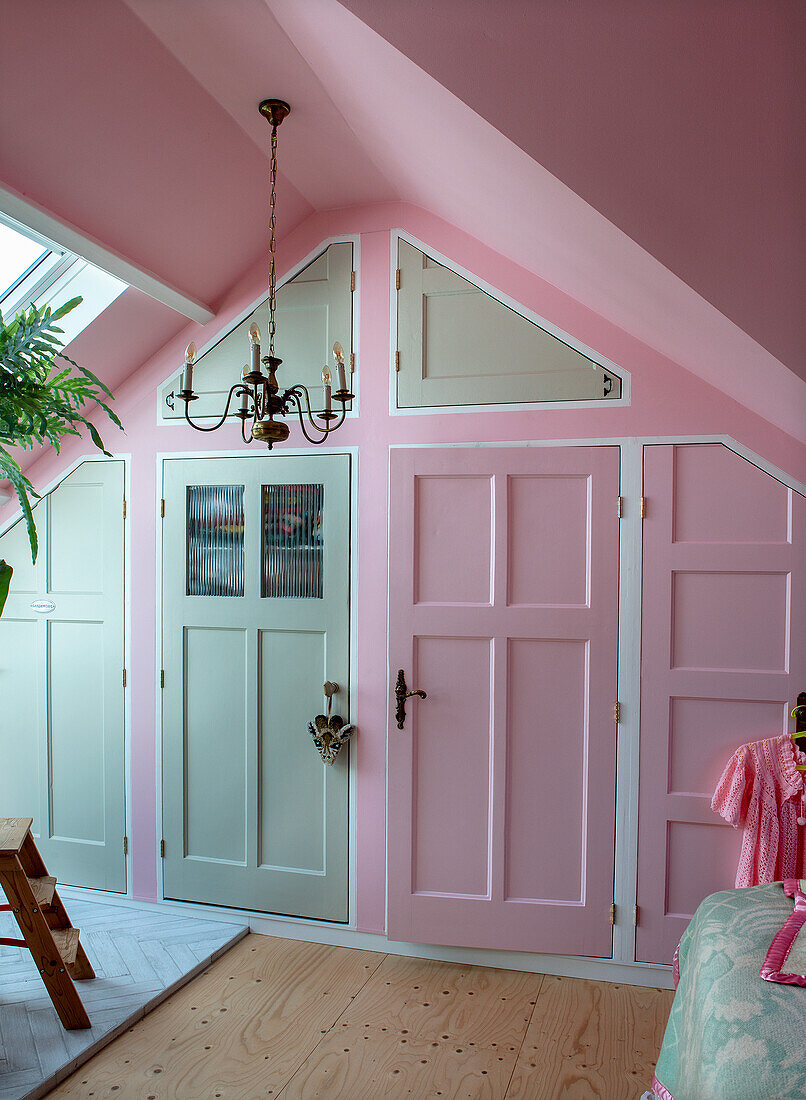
(61, 679)
(256, 619)
(314, 309)
(457, 345)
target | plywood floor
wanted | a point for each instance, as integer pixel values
(279, 1018)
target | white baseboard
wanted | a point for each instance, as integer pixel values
(338, 935)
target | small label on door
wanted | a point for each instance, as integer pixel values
(42, 607)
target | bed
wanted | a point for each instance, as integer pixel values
(731, 1035)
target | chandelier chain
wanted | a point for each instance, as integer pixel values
(272, 236)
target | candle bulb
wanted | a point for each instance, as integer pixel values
(338, 355)
(326, 380)
(244, 394)
(254, 339)
(187, 376)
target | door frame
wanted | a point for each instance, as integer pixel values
(625, 884)
(55, 482)
(290, 452)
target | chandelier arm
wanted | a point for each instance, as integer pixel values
(295, 390)
(243, 432)
(213, 427)
(294, 395)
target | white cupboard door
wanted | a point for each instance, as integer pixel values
(458, 345)
(256, 619)
(61, 679)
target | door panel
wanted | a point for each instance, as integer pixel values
(61, 679)
(723, 658)
(501, 784)
(256, 619)
(459, 345)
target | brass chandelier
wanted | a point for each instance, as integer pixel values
(260, 397)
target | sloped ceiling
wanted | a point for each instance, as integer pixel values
(643, 156)
(682, 121)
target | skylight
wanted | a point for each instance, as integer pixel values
(19, 256)
(36, 271)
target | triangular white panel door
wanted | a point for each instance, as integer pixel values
(256, 611)
(314, 310)
(61, 679)
(458, 345)
(503, 604)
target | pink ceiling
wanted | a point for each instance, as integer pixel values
(679, 120)
(106, 129)
(626, 152)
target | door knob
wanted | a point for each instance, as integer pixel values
(401, 695)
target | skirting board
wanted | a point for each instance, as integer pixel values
(337, 935)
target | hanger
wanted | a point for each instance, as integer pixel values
(798, 712)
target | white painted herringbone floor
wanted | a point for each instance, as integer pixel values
(139, 957)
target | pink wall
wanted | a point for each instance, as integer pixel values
(666, 401)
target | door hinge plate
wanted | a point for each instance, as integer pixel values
(397, 361)
(397, 279)
(162, 677)
(613, 913)
(352, 362)
(125, 845)
(162, 508)
(162, 849)
(124, 509)
(124, 677)
(352, 280)
(643, 507)
(617, 712)
(619, 506)
(636, 915)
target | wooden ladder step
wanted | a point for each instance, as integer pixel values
(66, 940)
(13, 831)
(43, 887)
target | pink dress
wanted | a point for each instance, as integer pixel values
(762, 790)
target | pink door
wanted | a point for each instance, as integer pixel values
(504, 609)
(723, 658)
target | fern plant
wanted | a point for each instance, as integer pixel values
(41, 401)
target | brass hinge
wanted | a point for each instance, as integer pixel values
(162, 508)
(619, 506)
(124, 677)
(162, 849)
(643, 507)
(125, 845)
(352, 280)
(162, 677)
(397, 279)
(613, 913)
(352, 362)
(617, 712)
(636, 916)
(124, 509)
(397, 361)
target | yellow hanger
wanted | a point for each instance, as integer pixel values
(798, 733)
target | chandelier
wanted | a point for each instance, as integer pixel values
(260, 398)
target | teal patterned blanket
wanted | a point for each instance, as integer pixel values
(731, 1035)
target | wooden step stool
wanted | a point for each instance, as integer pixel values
(43, 920)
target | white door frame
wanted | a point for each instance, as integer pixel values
(252, 456)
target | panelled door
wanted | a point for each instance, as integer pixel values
(61, 679)
(504, 609)
(723, 659)
(256, 618)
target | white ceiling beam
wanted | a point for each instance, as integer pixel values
(89, 248)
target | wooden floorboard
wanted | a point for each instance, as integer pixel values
(279, 1018)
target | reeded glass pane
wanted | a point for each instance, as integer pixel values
(292, 541)
(215, 540)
